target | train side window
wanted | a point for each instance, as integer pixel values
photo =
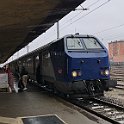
(37, 58)
(46, 54)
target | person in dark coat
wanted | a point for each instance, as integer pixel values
(17, 73)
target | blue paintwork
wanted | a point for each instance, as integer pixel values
(90, 68)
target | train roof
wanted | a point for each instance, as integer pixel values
(47, 45)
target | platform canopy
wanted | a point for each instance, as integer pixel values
(21, 21)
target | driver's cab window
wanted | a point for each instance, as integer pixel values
(91, 43)
(74, 44)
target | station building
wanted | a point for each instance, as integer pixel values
(116, 51)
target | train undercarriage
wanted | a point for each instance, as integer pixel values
(86, 89)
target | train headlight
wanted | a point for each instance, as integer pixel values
(106, 72)
(74, 74)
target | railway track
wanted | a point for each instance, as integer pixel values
(120, 86)
(117, 72)
(109, 109)
(106, 108)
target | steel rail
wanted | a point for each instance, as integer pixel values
(104, 109)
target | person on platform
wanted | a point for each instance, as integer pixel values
(10, 78)
(17, 73)
(24, 77)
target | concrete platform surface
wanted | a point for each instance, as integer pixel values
(35, 102)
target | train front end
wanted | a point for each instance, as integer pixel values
(87, 65)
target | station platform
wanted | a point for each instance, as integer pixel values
(36, 105)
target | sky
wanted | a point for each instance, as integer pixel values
(101, 18)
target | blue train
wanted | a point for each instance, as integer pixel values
(75, 64)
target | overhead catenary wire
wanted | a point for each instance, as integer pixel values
(93, 3)
(113, 37)
(80, 12)
(111, 28)
(86, 14)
